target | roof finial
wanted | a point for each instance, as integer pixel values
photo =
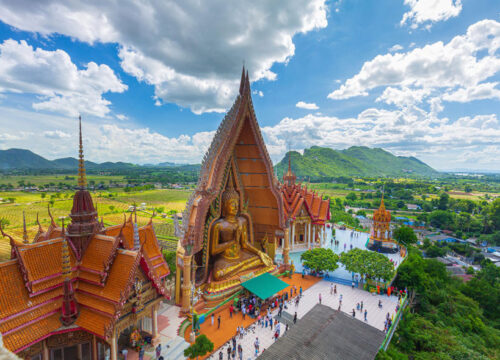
(38, 222)
(82, 180)
(25, 232)
(242, 82)
(52, 222)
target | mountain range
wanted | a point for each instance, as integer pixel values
(316, 163)
(21, 159)
(320, 163)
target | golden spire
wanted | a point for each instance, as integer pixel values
(82, 180)
(66, 264)
(25, 232)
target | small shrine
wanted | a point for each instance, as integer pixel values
(306, 212)
(381, 234)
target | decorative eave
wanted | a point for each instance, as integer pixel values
(109, 261)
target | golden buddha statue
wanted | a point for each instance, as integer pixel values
(229, 245)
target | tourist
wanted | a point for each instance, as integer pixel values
(233, 340)
(366, 313)
(218, 322)
(353, 313)
(286, 327)
(380, 304)
(229, 352)
(141, 354)
(345, 244)
(335, 290)
(300, 290)
(212, 318)
(243, 311)
(331, 289)
(233, 353)
(271, 323)
(320, 298)
(107, 354)
(124, 353)
(240, 351)
(361, 305)
(276, 335)
(221, 355)
(158, 351)
(256, 345)
(231, 311)
(357, 306)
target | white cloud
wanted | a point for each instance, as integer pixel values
(259, 93)
(51, 75)
(430, 11)
(403, 97)
(395, 48)
(308, 106)
(56, 134)
(191, 54)
(455, 64)
(121, 117)
(479, 92)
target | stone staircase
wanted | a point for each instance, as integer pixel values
(174, 349)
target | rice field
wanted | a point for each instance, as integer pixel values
(111, 209)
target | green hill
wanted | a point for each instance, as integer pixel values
(321, 163)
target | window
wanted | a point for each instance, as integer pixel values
(36, 357)
(56, 354)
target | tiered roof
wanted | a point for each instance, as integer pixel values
(32, 283)
(381, 214)
(296, 197)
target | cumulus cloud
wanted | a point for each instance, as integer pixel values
(482, 91)
(258, 92)
(430, 11)
(51, 75)
(464, 62)
(395, 48)
(308, 106)
(191, 54)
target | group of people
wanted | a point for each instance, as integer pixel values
(232, 349)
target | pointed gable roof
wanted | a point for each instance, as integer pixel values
(238, 137)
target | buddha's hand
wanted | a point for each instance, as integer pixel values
(265, 258)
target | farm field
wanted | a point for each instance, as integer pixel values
(69, 178)
(111, 209)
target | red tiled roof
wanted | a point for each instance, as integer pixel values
(295, 196)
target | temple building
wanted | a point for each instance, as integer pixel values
(78, 292)
(234, 218)
(381, 234)
(306, 212)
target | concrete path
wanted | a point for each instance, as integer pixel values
(310, 297)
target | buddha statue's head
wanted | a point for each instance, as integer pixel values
(230, 200)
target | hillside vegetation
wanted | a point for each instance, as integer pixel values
(320, 163)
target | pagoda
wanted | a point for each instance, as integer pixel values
(306, 212)
(73, 292)
(381, 234)
(234, 218)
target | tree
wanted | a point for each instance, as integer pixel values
(112, 208)
(351, 196)
(170, 258)
(444, 198)
(201, 346)
(43, 195)
(405, 236)
(368, 263)
(4, 222)
(320, 259)
(467, 189)
(361, 213)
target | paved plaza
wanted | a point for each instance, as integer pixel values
(350, 297)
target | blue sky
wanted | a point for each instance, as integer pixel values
(152, 82)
